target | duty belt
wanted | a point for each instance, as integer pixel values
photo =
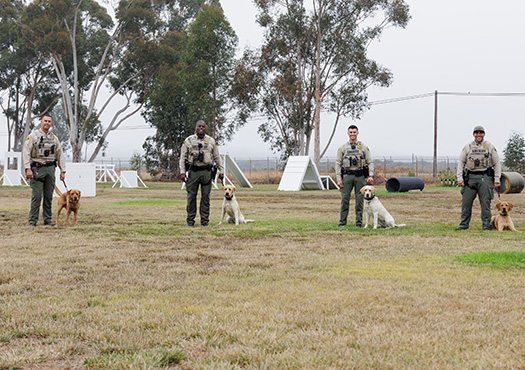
(37, 164)
(486, 172)
(200, 168)
(357, 172)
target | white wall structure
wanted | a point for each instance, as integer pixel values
(300, 173)
(81, 176)
(13, 169)
(128, 179)
(231, 166)
(104, 171)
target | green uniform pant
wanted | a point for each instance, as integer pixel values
(196, 178)
(481, 185)
(352, 182)
(42, 185)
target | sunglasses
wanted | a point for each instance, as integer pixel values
(479, 132)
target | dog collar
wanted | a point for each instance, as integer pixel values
(228, 198)
(373, 196)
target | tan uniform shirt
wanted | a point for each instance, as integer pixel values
(478, 158)
(191, 148)
(43, 148)
(353, 156)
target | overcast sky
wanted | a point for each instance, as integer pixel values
(462, 46)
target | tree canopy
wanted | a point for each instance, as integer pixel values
(194, 84)
(514, 152)
(315, 59)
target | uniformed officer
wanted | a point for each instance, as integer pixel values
(354, 169)
(42, 152)
(478, 172)
(198, 155)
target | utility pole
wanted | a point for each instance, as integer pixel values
(434, 165)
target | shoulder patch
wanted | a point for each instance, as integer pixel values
(28, 137)
(359, 146)
(486, 146)
(51, 136)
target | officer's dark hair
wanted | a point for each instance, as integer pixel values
(46, 115)
(199, 122)
(353, 126)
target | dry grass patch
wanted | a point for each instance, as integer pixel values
(130, 287)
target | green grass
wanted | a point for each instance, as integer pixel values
(131, 287)
(495, 259)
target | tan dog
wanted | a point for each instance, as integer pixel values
(374, 208)
(70, 200)
(502, 221)
(231, 207)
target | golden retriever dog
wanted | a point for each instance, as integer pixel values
(70, 200)
(502, 221)
(374, 208)
(231, 208)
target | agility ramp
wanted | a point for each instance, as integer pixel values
(300, 173)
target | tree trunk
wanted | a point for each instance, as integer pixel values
(317, 112)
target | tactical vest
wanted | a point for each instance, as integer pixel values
(200, 151)
(479, 158)
(44, 149)
(353, 156)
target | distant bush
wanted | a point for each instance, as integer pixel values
(448, 178)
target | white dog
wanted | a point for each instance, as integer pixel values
(374, 208)
(231, 207)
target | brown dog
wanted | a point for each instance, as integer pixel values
(503, 221)
(70, 200)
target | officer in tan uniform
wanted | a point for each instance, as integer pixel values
(354, 169)
(478, 172)
(42, 152)
(198, 155)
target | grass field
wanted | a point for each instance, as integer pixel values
(130, 287)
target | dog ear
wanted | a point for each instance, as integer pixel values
(233, 189)
(362, 190)
(510, 206)
(79, 193)
(373, 190)
(498, 206)
(222, 188)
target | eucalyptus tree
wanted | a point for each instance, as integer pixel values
(194, 83)
(25, 77)
(208, 60)
(89, 50)
(315, 58)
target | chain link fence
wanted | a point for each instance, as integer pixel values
(269, 170)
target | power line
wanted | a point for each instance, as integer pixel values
(426, 95)
(395, 100)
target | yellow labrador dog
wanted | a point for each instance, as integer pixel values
(374, 208)
(231, 208)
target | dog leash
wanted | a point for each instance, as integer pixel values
(64, 182)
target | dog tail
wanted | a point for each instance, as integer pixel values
(58, 191)
(249, 221)
(401, 225)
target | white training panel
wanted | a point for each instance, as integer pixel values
(81, 176)
(128, 179)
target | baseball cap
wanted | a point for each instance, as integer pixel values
(478, 128)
